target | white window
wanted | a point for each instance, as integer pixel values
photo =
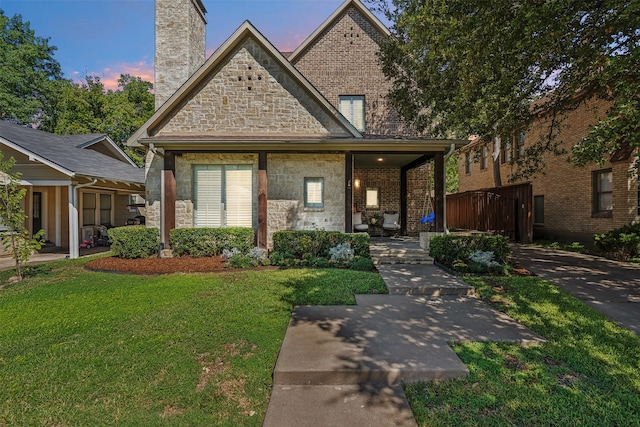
(352, 107)
(372, 198)
(88, 209)
(314, 192)
(223, 196)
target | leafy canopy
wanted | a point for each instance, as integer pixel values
(27, 70)
(462, 67)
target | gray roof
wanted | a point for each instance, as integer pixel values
(63, 151)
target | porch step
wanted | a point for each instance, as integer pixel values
(423, 280)
(381, 256)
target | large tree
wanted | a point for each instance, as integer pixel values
(89, 108)
(462, 67)
(27, 70)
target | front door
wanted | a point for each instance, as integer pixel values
(36, 215)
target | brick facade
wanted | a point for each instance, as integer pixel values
(568, 190)
(343, 60)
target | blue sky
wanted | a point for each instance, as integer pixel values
(110, 37)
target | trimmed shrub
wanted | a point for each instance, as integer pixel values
(318, 243)
(452, 250)
(361, 264)
(622, 243)
(135, 241)
(204, 242)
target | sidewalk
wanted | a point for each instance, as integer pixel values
(611, 287)
(344, 365)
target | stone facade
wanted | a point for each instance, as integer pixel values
(251, 94)
(179, 24)
(286, 173)
(567, 190)
(343, 61)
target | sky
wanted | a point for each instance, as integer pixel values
(107, 38)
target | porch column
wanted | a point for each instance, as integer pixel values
(439, 179)
(58, 216)
(348, 193)
(403, 202)
(168, 196)
(262, 199)
(74, 249)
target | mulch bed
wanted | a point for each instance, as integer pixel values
(158, 265)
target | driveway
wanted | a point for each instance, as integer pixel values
(611, 287)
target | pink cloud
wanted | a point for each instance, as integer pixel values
(109, 76)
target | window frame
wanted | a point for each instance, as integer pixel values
(597, 192)
(506, 149)
(484, 157)
(467, 163)
(313, 180)
(538, 218)
(375, 190)
(351, 114)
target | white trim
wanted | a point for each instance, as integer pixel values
(58, 217)
(74, 249)
(48, 183)
(36, 157)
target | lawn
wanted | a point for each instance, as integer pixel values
(587, 374)
(85, 348)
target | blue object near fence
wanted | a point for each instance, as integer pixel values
(428, 219)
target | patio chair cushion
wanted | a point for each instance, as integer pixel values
(357, 222)
(391, 221)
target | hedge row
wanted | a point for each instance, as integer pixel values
(449, 248)
(204, 242)
(318, 243)
(622, 243)
(135, 241)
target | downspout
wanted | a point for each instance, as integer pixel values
(452, 148)
(74, 241)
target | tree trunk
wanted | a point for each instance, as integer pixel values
(497, 178)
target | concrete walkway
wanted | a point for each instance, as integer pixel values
(48, 255)
(611, 287)
(344, 365)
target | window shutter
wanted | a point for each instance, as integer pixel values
(239, 198)
(208, 197)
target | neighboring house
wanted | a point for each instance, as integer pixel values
(71, 181)
(569, 203)
(254, 138)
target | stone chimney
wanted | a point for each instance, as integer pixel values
(180, 44)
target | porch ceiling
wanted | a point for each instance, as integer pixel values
(383, 160)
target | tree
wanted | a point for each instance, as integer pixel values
(462, 67)
(15, 239)
(27, 71)
(89, 108)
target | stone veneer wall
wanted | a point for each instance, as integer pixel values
(251, 94)
(285, 175)
(180, 45)
(154, 163)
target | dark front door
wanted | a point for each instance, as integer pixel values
(37, 212)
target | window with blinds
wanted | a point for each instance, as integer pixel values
(223, 196)
(352, 108)
(314, 192)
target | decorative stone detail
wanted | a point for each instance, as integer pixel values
(251, 94)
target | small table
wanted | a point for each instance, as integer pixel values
(376, 230)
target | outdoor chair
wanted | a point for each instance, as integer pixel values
(358, 226)
(391, 222)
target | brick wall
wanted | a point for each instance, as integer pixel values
(567, 189)
(342, 61)
(180, 45)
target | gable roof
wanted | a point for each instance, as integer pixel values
(331, 19)
(245, 32)
(67, 155)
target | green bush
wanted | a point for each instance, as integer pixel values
(135, 241)
(318, 243)
(361, 264)
(203, 242)
(622, 243)
(453, 250)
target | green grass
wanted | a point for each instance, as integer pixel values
(588, 373)
(83, 348)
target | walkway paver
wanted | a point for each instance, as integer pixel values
(611, 287)
(344, 365)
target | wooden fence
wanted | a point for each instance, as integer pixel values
(506, 210)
